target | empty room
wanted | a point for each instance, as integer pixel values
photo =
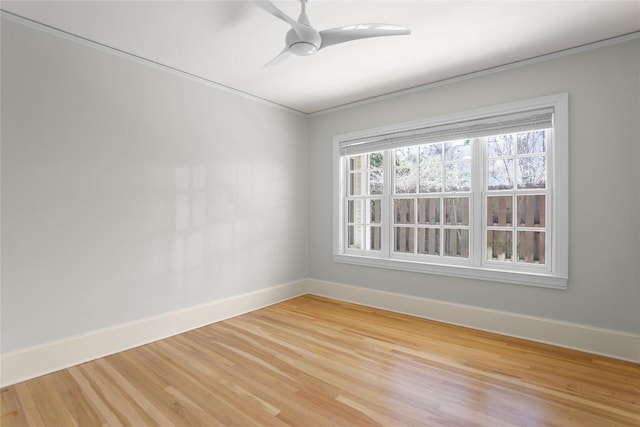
(320, 213)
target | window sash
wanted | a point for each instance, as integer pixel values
(477, 228)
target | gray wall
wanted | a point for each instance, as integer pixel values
(128, 191)
(604, 92)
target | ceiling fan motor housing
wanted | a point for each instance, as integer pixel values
(308, 44)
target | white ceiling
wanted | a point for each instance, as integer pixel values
(228, 42)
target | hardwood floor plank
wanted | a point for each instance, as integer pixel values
(150, 386)
(12, 413)
(55, 412)
(96, 403)
(140, 399)
(28, 405)
(312, 361)
(205, 390)
(116, 398)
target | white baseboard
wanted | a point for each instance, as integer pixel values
(35, 361)
(50, 357)
(605, 342)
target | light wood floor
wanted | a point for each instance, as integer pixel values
(312, 361)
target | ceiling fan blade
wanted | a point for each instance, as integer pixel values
(278, 59)
(360, 31)
(272, 9)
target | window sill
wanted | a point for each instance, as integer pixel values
(492, 275)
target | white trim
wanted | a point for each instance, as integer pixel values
(480, 73)
(454, 270)
(39, 26)
(605, 342)
(559, 200)
(35, 361)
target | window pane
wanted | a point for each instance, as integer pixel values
(403, 239)
(431, 178)
(429, 241)
(500, 245)
(500, 211)
(456, 210)
(456, 242)
(406, 157)
(500, 145)
(531, 247)
(375, 238)
(532, 142)
(458, 150)
(355, 183)
(500, 174)
(354, 211)
(356, 162)
(430, 153)
(403, 211)
(458, 177)
(531, 211)
(375, 182)
(406, 180)
(375, 211)
(429, 211)
(532, 172)
(376, 160)
(355, 236)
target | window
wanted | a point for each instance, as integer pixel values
(480, 194)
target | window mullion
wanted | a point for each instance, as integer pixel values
(387, 205)
(514, 209)
(477, 218)
(550, 204)
(415, 202)
(441, 224)
(366, 226)
(344, 196)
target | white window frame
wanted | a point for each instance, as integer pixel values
(555, 272)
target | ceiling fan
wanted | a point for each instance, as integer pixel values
(303, 40)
